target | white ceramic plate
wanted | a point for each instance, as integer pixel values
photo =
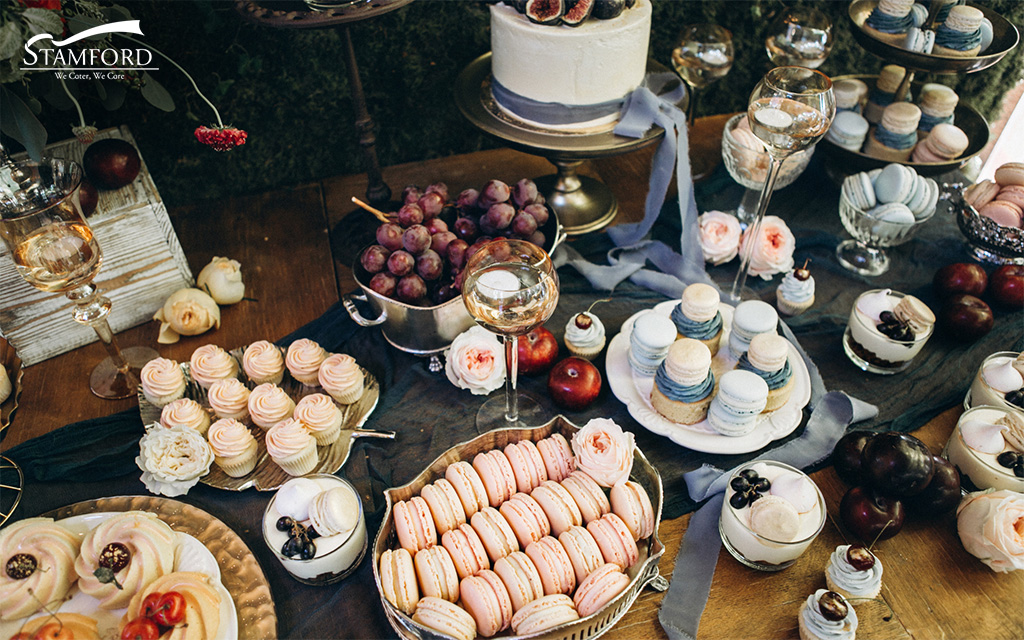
(191, 555)
(634, 391)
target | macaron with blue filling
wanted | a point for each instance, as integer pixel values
(697, 315)
(848, 130)
(741, 398)
(684, 383)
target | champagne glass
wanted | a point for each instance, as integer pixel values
(53, 248)
(789, 110)
(510, 288)
(800, 36)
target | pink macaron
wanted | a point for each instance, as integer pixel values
(981, 193)
(557, 456)
(398, 579)
(631, 503)
(923, 153)
(1013, 193)
(468, 486)
(497, 475)
(445, 618)
(588, 495)
(543, 614)
(445, 505)
(1002, 213)
(520, 578)
(495, 532)
(615, 540)
(414, 524)
(599, 588)
(526, 518)
(485, 598)
(466, 550)
(559, 506)
(436, 573)
(527, 465)
(583, 552)
(553, 565)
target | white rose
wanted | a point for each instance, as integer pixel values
(719, 236)
(991, 528)
(773, 252)
(172, 460)
(186, 312)
(222, 279)
(475, 361)
(604, 452)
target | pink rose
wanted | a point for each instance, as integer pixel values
(773, 252)
(475, 361)
(604, 452)
(719, 236)
(991, 528)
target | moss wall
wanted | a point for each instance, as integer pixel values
(289, 89)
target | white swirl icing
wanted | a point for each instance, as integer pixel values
(229, 438)
(845, 629)
(588, 338)
(262, 361)
(850, 579)
(795, 290)
(210, 363)
(303, 360)
(229, 398)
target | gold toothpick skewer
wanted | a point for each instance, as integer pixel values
(377, 213)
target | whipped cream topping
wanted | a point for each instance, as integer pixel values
(873, 304)
(340, 372)
(795, 290)
(162, 377)
(849, 578)
(286, 438)
(304, 358)
(229, 397)
(262, 360)
(845, 629)
(797, 490)
(983, 436)
(588, 338)
(334, 512)
(229, 438)
(1003, 377)
(269, 404)
(294, 497)
(318, 412)
(210, 363)
(185, 412)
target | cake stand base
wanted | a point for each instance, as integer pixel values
(583, 204)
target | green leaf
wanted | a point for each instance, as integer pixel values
(155, 94)
(79, 23)
(43, 21)
(18, 121)
(10, 40)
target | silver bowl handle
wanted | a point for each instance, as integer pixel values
(353, 313)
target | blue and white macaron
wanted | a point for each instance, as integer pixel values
(751, 318)
(742, 396)
(848, 130)
(649, 342)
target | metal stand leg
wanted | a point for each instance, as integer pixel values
(377, 192)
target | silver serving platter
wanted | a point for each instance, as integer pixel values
(641, 573)
(267, 476)
(12, 363)
(988, 241)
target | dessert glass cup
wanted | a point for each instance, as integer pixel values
(865, 253)
(874, 352)
(982, 395)
(979, 471)
(755, 550)
(336, 556)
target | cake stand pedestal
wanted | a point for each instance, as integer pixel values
(583, 204)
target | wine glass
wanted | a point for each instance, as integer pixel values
(510, 288)
(789, 110)
(800, 36)
(53, 248)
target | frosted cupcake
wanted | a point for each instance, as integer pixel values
(234, 447)
(768, 357)
(292, 447)
(584, 335)
(321, 416)
(209, 363)
(162, 381)
(263, 362)
(341, 377)
(303, 361)
(796, 292)
(683, 384)
(269, 404)
(826, 615)
(697, 316)
(185, 412)
(229, 399)
(854, 572)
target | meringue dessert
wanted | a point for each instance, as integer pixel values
(886, 330)
(38, 556)
(987, 448)
(999, 382)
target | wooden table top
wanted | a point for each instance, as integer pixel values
(287, 240)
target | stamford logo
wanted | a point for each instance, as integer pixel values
(43, 53)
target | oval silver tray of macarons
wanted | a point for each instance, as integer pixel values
(267, 475)
(634, 390)
(562, 587)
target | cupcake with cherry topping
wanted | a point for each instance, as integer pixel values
(854, 572)
(163, 381)
(263, 362)
(341, 377)
(796, 292)
(826, 615)
(584, 335)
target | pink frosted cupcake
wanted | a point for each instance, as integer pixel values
(303, 361)
(229, 399)
(341, 377)
(292, 447)
(269, 404)
(263, 362)
(185, 412)
(321, 416)
(162, 381)
(210, 363)
(234, 447)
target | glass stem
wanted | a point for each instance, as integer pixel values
(691, 106)
(774, 164)
(511, 375)
(748, 207)
(92, 309)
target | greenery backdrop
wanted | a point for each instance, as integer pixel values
(289, 89)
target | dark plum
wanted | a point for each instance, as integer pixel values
(439, 241)
(943, 492)
(440, 189)
(494, 191)
(608, 9)
(436, 225)
(871, 516)
(466, 229)
(411, 193)
(524, 192)
(389, 235)
(539, 212)
(431, 203)
(384, 283)
(896, 464)
(375, 258)
(411, 289)
(499, 215)
(523, 225)
(410, 214)
(416, 239)
(429, 265)
(456, 252)
(467, 199)
(846, 456)
(401, 263)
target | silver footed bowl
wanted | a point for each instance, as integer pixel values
(987, 241)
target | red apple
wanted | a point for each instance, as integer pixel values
(574, 383)
(111, 163)
(960, 277)
(1007, 285)
(88, 197)
(966, 318)
(538, 350)
(868, 515)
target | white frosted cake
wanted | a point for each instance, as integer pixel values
(567, 78)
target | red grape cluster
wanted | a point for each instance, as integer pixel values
(419, 260)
